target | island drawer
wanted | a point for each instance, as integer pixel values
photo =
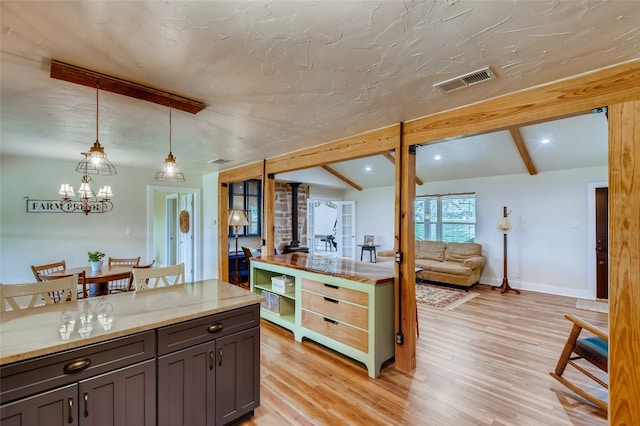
(336, 330)
(335, 308)
(26, 378)
(336, 292)
(180, 336)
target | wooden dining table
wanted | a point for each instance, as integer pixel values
(101, 277)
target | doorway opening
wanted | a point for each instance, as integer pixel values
(173, 228)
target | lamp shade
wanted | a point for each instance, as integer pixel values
(238, 218)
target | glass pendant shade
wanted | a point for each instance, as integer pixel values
(95, 161)
(169, 172)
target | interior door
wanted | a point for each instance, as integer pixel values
(185, 235)
(171, 222)
(346, 229)
(602, 243)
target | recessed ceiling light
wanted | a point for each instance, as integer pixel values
(544, 141)
(367, 168)
(437, 157)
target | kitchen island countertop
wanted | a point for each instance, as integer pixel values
(35, 332)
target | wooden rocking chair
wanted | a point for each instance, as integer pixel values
(593, 349)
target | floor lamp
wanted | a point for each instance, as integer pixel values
(237, 218)
(504, 225)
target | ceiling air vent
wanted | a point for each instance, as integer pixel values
(475, 77)
(218, 161)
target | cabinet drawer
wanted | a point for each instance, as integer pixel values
(189, 333)
(336, 292)
(335, 308)
(26, 378)
(336, 330)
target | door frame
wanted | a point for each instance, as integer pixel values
(591, 237)
(195, 223)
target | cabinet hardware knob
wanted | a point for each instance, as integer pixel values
(331, 286)
(86, 404)
(328, 299)
(214, 328)
(330, 320)
(70, 418)
(76, 366)
(219, 357)
(211, 360)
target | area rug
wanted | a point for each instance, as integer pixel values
(593, 305)
(442, 298)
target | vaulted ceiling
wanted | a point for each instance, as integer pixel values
(277, 76)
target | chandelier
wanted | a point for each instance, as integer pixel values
(95, 162)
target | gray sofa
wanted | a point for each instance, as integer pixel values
(460, 264)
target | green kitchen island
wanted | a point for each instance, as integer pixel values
(343, 304)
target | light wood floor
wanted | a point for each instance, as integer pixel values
(484, 363)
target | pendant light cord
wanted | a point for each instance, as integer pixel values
(97, 106)
(170, 128)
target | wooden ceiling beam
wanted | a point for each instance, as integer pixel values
(392, 159)
(85, 77)
(342, 178)
(522, 149)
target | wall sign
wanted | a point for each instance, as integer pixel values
(54, 206)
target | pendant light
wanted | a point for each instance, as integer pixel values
(169, 172)
(96, 162)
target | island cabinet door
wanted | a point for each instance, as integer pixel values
(237, 375)
(186, 387)
(123, 397)
(54, 408)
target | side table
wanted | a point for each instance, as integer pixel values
(371, 249)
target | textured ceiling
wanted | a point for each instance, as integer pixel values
(283, 75)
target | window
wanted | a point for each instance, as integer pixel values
(448, 218)
(247, 196)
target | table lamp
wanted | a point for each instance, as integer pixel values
(237, 218)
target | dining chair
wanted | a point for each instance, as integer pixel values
(39, 270)
(40, 273)
(125, 283)
(150, 265)
(151, 278)
(33, 295)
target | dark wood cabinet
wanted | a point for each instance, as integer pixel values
(53, 408)
(186, 387)
(122, 397)
(204, 371)
(209, 369)
(237, 375)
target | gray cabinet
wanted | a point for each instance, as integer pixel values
(209, 369)
(110, 384)
(53, 408)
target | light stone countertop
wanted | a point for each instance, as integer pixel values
(35, 332)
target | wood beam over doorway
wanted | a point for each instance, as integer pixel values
(389, 156)
(522, 149)
(342, 178)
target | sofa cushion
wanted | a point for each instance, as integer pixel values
(434, 250)
(453, 268)
(426, 263)
(459, 252)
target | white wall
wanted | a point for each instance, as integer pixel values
(210, 217)
(36, 238)
(548, 247)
